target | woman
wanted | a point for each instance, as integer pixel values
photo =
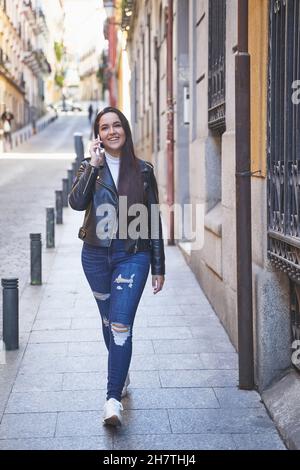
(116, 259)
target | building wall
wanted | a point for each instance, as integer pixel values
(11, 91)
(205, 162)
(270, 288)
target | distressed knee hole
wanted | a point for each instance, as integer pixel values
(100, 296)
(105, 321)
(122, 280)
(120, 333)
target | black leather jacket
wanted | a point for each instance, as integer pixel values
(94, 187)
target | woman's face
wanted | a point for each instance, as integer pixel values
(112, 133)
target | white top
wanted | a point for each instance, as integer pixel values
(114, 165)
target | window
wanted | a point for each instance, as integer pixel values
(216, 65)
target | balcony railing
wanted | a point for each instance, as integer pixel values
(284, 138)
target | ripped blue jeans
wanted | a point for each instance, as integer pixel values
(117, 279)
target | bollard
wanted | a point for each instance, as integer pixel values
(10, 319)
(50, 228)
(74, 168)
(59, 207)
(36, 259)
(65, 192)
(70, 180)
(78, 142)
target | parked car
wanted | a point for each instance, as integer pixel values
(67, 105)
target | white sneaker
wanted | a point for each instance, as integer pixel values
(127, 382)
(112, 412)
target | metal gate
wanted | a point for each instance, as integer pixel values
(284, 146)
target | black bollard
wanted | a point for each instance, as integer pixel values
(70, 180)
(59, 207)
(79, 149)
(65, 192)
(50, 226)
(74, 168)
(36, 259)
(10, 313)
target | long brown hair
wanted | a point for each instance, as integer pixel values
(130, 179)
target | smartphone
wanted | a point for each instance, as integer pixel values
(100, 148)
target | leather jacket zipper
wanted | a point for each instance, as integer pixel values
(90, 175)
(103, 184)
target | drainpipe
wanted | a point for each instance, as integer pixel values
(112, 50)
(243, 202)
(170, 121)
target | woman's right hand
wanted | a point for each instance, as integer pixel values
(97, 158)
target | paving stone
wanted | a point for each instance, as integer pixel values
(216, 332)
(94, 348)
(167, 398)
(66, 336)
(144, 422)
(52, 324)
(35, 402)
(175, 441)
(204, 309)
(225, 360)
(235, 398)
(166, 362)
(45, 313)
(198, 378)
(220, 421)
(260, 441)
(87, 348)
(59, 349)
(87, 323)
(63, 443)
(162, 332)
(38, 382)
(172, 300)
(159, 310)
(165, 320)
(94, 381)
(87, 423)
(27, 425)
(183, 346)
(55, 302)
(85, 381)
(94, 363)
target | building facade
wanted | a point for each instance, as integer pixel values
(90, 87)
(197, 116)
(23, 63)
(55, 18)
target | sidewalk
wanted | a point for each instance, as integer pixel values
(183, 392)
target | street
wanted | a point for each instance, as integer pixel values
(28, 178)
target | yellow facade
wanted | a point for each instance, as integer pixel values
(258, 49)
(10, 93)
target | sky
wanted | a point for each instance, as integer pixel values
(84, 24)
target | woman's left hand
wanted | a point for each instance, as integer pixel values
(157, 282)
